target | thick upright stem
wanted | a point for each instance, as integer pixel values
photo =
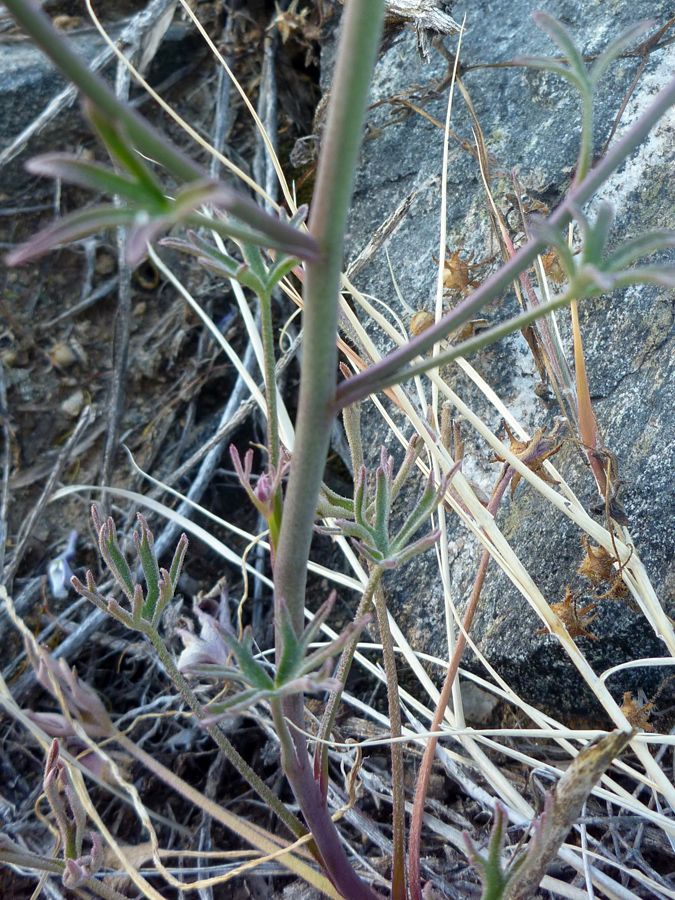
(327, 223)
(359, 41)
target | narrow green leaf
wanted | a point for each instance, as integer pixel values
(90, 175)
(204, 192)
(145, 547)
(114, 558)
(290, 241)
(417, 547)
(617, 47)
(93, 596)
(550, 65)
(560, 36)
(326, 511)
(494, 876)
(177, 561)
(360, 496)
(383, 485)
(238, 702)
(206, 253)
(166, 595)
(137, 607)
(591, 280)
(337, 500)
(416, 519)
(298, 216)
(597, 235)
(282, 266)
(244, 276)
(642, 245)
(356, 530)
(313, 627)
(254, 258)
(114, 136)
(214, 670)
(412, 454)
(541, 230)
(659, 275)
(254, 673)
(70, 228)
(320, 656)
(220, 268)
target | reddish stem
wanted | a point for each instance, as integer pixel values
(415, 838)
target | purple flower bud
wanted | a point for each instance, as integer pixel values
(264, 489)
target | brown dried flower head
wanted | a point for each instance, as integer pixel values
(637, 715)
(532, 453)
(573, 618)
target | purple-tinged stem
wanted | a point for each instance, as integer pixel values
(359, 40)
(380, 375)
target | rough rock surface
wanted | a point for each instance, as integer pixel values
(29, 83)
(530, 120)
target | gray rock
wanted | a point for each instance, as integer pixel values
(30, 87)
(530, 120)
(28, 83)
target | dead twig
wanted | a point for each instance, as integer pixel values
(381, 234)
(84, 420)
(6, 464)
(122, 331)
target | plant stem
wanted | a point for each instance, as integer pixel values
(30, 860)
(384, 373)
(586, 142)
(328, 219)
(359, 40)
(267, 331)
(298, 769)
(56, 867)
(398, 886)
(424, 775)
(264, 792)
(102, 889)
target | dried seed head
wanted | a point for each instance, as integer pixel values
(637, 715)
(420, 322)
(598, 564)
(554, 271)
(575, 619)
